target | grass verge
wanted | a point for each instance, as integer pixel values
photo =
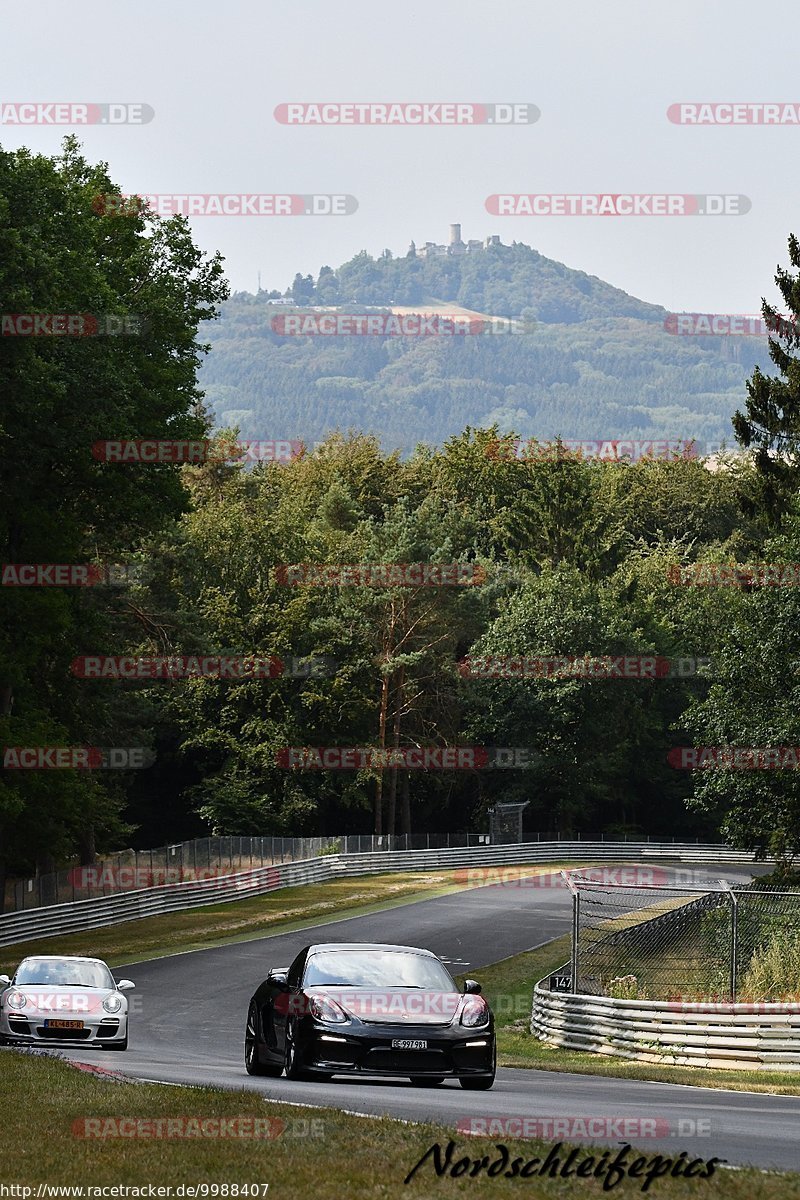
(508, 987)
(45, 1104)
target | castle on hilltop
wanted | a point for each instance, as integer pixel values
(455, 245)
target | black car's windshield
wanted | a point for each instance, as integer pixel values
(59, 972)
(377, 968)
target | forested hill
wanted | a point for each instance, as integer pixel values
(503, 280)
(589, 361)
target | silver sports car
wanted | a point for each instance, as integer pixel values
(64, 1000)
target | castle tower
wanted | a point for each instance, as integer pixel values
(455, 235)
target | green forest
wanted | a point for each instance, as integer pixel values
(570, 558)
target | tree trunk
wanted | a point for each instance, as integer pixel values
(406, 817)
(46, 881)
(86, 847)
(398, 709)
(382, 745)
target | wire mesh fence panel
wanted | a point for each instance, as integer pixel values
(686, 944)
(767, 964)
(653, 943)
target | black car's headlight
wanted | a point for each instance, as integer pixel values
(325, 1009)
(475, 1012)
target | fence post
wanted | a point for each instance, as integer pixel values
(576, 928)
(734, 936)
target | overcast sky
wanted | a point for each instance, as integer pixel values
(603, 76)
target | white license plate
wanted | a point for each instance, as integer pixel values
(409, 1044)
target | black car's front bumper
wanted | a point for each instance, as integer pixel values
(452, 1050)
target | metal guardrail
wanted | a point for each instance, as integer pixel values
(60, 919)
(202, 858)
(763, 1037)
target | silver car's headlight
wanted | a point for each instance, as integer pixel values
(112, 1003)
(16, 1000)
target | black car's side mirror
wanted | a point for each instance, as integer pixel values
(279, 979)
(472, 987)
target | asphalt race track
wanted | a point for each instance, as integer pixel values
(191, 1030)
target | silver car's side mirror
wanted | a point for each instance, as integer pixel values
(472, 987)
(5, 980)
(125, 985)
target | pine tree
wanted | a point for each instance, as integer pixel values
(770, 424)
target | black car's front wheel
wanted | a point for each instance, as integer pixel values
(252, 1063)
(292, 1065)
(480, 1083)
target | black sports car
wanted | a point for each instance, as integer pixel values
(363, 1009)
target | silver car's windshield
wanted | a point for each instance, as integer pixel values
(377, 968)
(59, 972)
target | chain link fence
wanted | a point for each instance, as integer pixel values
(202, 858)
(685, 943)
